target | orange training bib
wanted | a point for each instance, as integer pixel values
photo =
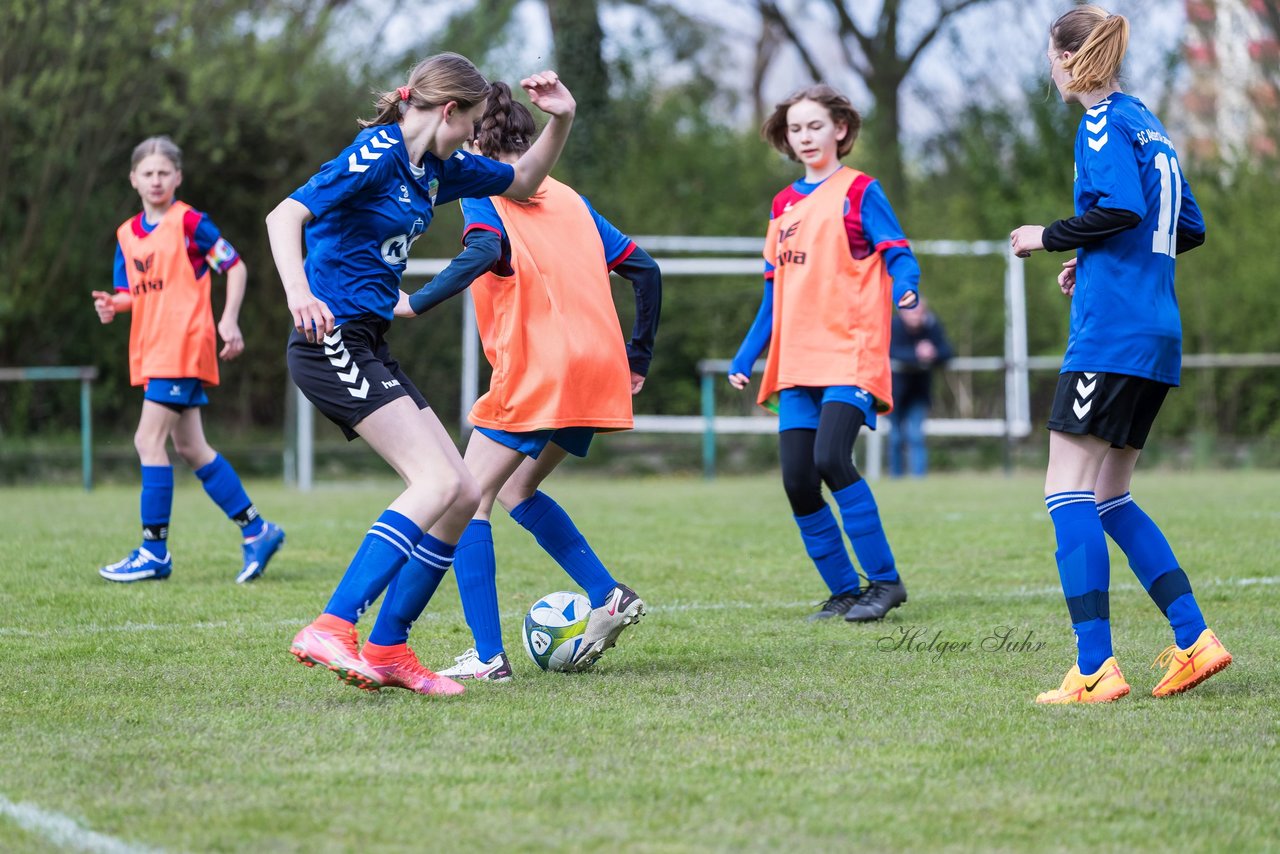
(172, 331)
(831, 311)
(550, 330)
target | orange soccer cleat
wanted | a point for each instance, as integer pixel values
(398, 667)
(1187, 668)
(331, 642)
(1105, 685)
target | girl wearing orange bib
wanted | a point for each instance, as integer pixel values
(539, 275)
(163, 261)
(836, 264)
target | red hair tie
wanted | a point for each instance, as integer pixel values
(403, 92)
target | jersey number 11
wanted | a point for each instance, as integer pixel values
(1165, 239)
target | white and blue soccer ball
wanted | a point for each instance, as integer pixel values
(555, 628)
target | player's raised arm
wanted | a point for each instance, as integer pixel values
(552, 97)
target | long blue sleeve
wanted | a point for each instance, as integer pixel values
(757, 336)
(483, 250)
(904, 269)
(882, 230)
(646, 280)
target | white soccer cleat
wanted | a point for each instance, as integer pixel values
(622, 608)
(469, 666)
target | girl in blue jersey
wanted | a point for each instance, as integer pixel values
(833, 376)
(163, 283)
(1134, 214)
(536, 265)
(361, 213)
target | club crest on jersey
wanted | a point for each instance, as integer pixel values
(433, 186)
(395, 250)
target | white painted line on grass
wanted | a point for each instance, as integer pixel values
(673, 608)
(62, 831)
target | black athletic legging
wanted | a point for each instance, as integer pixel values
(813, 457)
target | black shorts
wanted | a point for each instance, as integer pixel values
(1115, 407)
(349, 374)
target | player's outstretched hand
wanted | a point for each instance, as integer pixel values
(909, 300)
(311, 317)
(637, 383)
(548, 94)
(105, 306)
(1027, 239)
(1067, 278)
(739, 381)
(232, 340)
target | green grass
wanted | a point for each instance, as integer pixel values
(170, 715)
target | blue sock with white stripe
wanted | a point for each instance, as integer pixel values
(411, 590)
(223, 485)
(824, 544)
(560, 538)
(1153, 562)
(1084, 568)
(381, 554)
(862, 525)
(156, 504)
(476, 571)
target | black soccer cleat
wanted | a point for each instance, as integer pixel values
(876, 601)
(836, 606)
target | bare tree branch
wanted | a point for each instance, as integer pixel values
(944, 14)
(769, 11)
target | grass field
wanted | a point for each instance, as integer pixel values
(170, 716)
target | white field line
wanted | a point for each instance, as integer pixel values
(672, 608)
(62, 831)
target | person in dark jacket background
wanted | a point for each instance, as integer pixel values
(919, 344)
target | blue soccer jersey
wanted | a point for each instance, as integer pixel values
(370, 204)
(1124, 315)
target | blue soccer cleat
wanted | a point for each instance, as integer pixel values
(140, 565)
(259, 550)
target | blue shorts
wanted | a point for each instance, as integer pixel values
(799, 407)
(575, 440)
(176, 394)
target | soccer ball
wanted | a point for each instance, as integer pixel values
(554, 629)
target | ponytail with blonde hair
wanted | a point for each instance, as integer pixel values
(435, 80)
(1097, 42)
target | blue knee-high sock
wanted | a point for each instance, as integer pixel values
(862, 525)
(476, 571)
(1153, 562)
(560, 538)
(383, 551)
(223, 485)
(1084, 567)
(825, 546)
(411, 590)
(156, 505)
